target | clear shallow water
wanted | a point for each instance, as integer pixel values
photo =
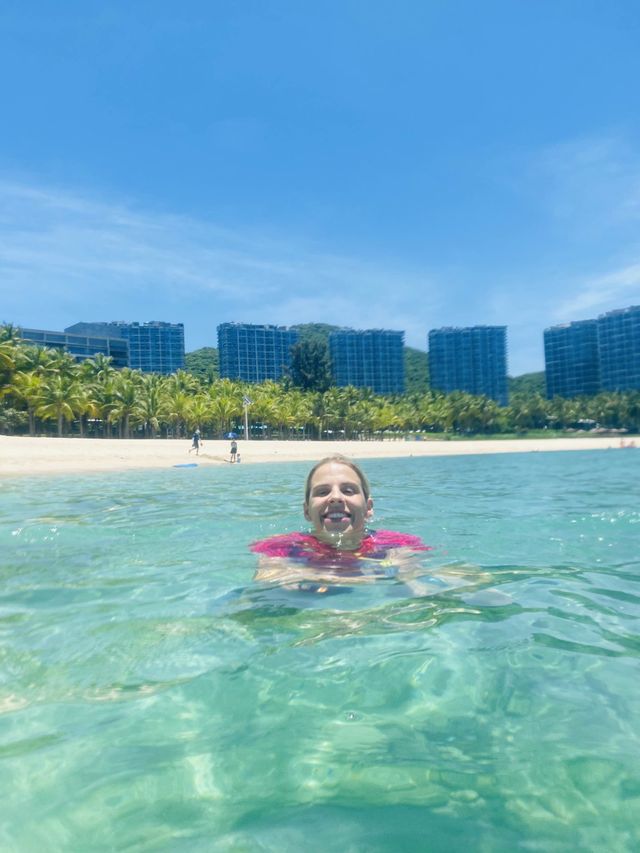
(153, 698)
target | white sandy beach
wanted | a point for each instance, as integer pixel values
(22, 455)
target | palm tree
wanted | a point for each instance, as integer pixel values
(334, 408)
(611, 409)
(443, 413)
(264, 404)
(7, 366)
(225, 408)
(62, 362)
(385, 416)
(99, 367)
(177, 413)
(87, 405)
(292, 410)
(199, 411)
(104, 394)
(183, 381)
(126, 386)
(9, 353)
(633, 410)
(321, 408)
(34, 359)
(302, 406)
(403, 413)
(59, 399)
(152, 407)
(361, 418)
(28, 388)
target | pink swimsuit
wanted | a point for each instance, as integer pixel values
(307, 549)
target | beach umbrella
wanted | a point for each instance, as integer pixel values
(230, 435)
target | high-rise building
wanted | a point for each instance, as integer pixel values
(619, 348)
(80, 346)
(369, 358)
(571, 359)
(154, 347)
(472, 359)
(254, 353)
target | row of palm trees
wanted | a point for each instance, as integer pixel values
(44, 390)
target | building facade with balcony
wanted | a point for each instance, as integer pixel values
(619, 349)
(571, 358)
(80, 346)
(154, 347)
(254, 353)
(471, 359)
(369, 358)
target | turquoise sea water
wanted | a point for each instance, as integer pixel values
(153, 698)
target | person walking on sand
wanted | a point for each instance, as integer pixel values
(234, 450)
(196, 442)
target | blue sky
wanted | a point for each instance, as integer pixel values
(404, 165)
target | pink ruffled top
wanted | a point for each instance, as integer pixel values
(305, 547)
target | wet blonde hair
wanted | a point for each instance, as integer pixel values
(339, 460)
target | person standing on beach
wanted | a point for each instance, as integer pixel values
(195, 442)
(234, 450)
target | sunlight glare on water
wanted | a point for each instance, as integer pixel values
(152, 697)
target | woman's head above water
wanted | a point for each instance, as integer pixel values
(338, 501)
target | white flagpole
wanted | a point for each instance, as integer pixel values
(246, 402)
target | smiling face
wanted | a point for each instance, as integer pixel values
(337, 505)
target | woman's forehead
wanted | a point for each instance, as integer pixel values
(335, 469)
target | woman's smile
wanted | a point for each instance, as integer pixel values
(337, 505)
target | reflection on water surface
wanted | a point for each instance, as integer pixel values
(153, 697)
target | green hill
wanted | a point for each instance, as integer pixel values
(528, 383)
(315, 330)
(416, 371)
(415, 361)
(203, 363)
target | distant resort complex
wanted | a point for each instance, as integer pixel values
(316, 381)
(582, 358)
(150, 347)
(371, 358)
(590, 356)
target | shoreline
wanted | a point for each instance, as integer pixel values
(26, 456)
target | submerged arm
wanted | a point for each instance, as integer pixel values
(287, 572)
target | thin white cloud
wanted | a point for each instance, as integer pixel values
(66, 257)
(588, 185)
(54, 244)
(587, 193)
(616, 289)
(51, 237)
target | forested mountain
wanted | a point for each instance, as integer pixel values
(528, 383)
(43, 391)
(416, 371)
(315, 330)
(204, 363)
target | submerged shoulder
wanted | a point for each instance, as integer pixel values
(395, 539)
(281, 544)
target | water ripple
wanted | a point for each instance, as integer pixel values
(153, 697)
